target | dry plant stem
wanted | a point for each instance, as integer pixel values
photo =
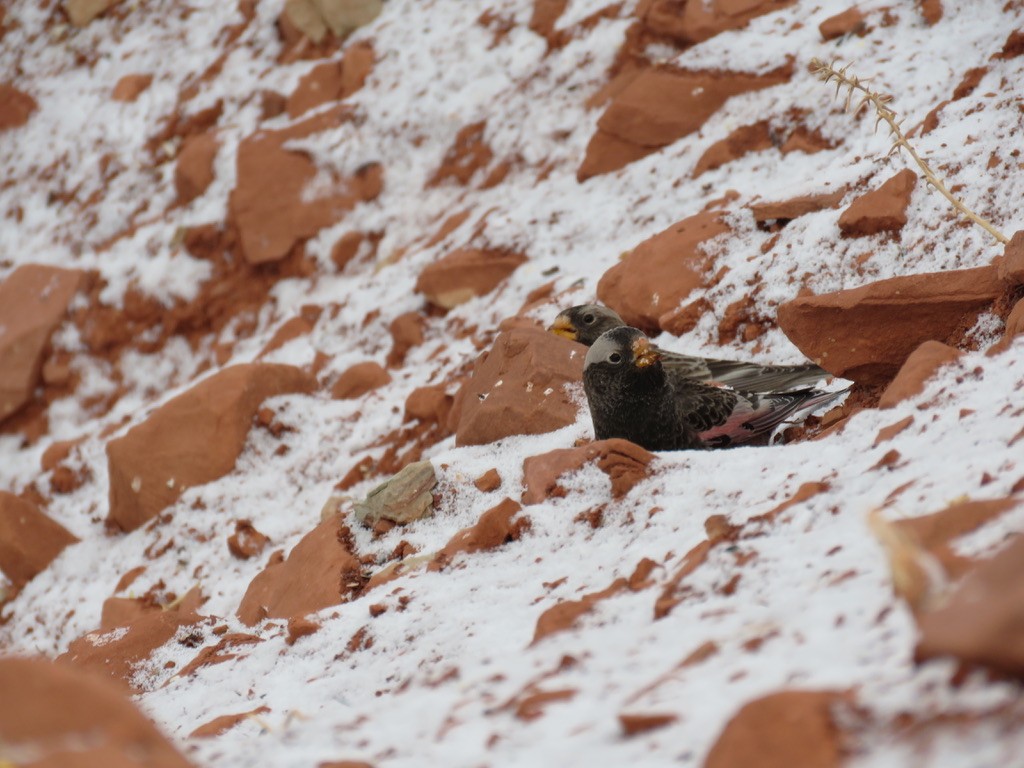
(880, 101)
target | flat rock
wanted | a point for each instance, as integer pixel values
(401, 499)
(315, 575)
(519, 387)
(915, 372)
(466, 273)
(782, 730)
(332, 80)
(192, 439)
(117, 652)
(848, 22)
(882, 210)
(275, 203)
(659, 106)
(696, 22)
(982, 622)
(29, 540)
(193, 172)
(359, 379)
(130, 87)
(1011, 265)
(494, 528)
(657, 275)
(867, 333)
(795, 206)
(82, 12)
(16, 107)
(744, 140)
(33, 301)
(624, 462)
(67, 717)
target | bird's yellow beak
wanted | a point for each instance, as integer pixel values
(562, 327)
(644, 354)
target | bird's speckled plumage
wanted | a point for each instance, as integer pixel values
(585, 323)
(631, 396)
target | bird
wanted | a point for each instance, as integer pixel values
(586, 322)
(631, 396)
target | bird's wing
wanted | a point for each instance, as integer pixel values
(755, 414)
(747, 377)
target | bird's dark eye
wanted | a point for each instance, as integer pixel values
(614, 358)
(589, 319)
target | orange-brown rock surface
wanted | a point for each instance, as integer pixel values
(359, 379)
(279, 199)
(33, 301)
(656, 276)
(848, 22)
(115, 653)
(130, 87)
(745, 139)
(983, 620)
(465, 273)
(624, 462)
(867, 333)
(519, 388)
(320, 571)
(194, 170)
(694, 21)
(658, 107)
(332, 80)
(29, 540)
(58, 716)
(782, 730)
(15, 107)
(881, 210)
(192, 439)
(915, 372)
(494, 528)
(1011, 266)
(795, 206)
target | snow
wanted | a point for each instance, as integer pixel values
(438, 70)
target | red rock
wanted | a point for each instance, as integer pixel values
(635, 723)
(129, 87)
(359, 379)
(316, 575)
(117, 652)
(246, 541)
(273, 204)
(81, 12)
(849, 22)
(66, 717)
(742, 141)
(488, 481)
(544, 17)
(660, 106)
(345, 764)
(918, 368)
(407, 331)
(532, 706)
(429, 404)
(1014, 328)
(883, 210)
(1011, 266)
(291, 329)
(694, 22)
(889, 432)
(468, 154)
(494, 528)
(192, 439)
(122, 611)
(225, 723)
(299, 627)
(564, 614)
(318, 86)
(982, 622)
(931, 10)
(533, 368)
(657, 275)
(33, 302)
(796, 206)
(15, 107)
(467, 272)
(625, 463)
(29, 540)
(782, 730)
(193, 172)
(867, 333)
(332, 80)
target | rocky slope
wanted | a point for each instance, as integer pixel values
(260, 258)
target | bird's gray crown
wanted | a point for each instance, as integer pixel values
(616, 340)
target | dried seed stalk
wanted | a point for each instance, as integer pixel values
(880, 101)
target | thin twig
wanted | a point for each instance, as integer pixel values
(880, 101)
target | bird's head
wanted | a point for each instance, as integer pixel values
(625, 349)
(585, 323)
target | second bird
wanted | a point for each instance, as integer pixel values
(585, 323)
